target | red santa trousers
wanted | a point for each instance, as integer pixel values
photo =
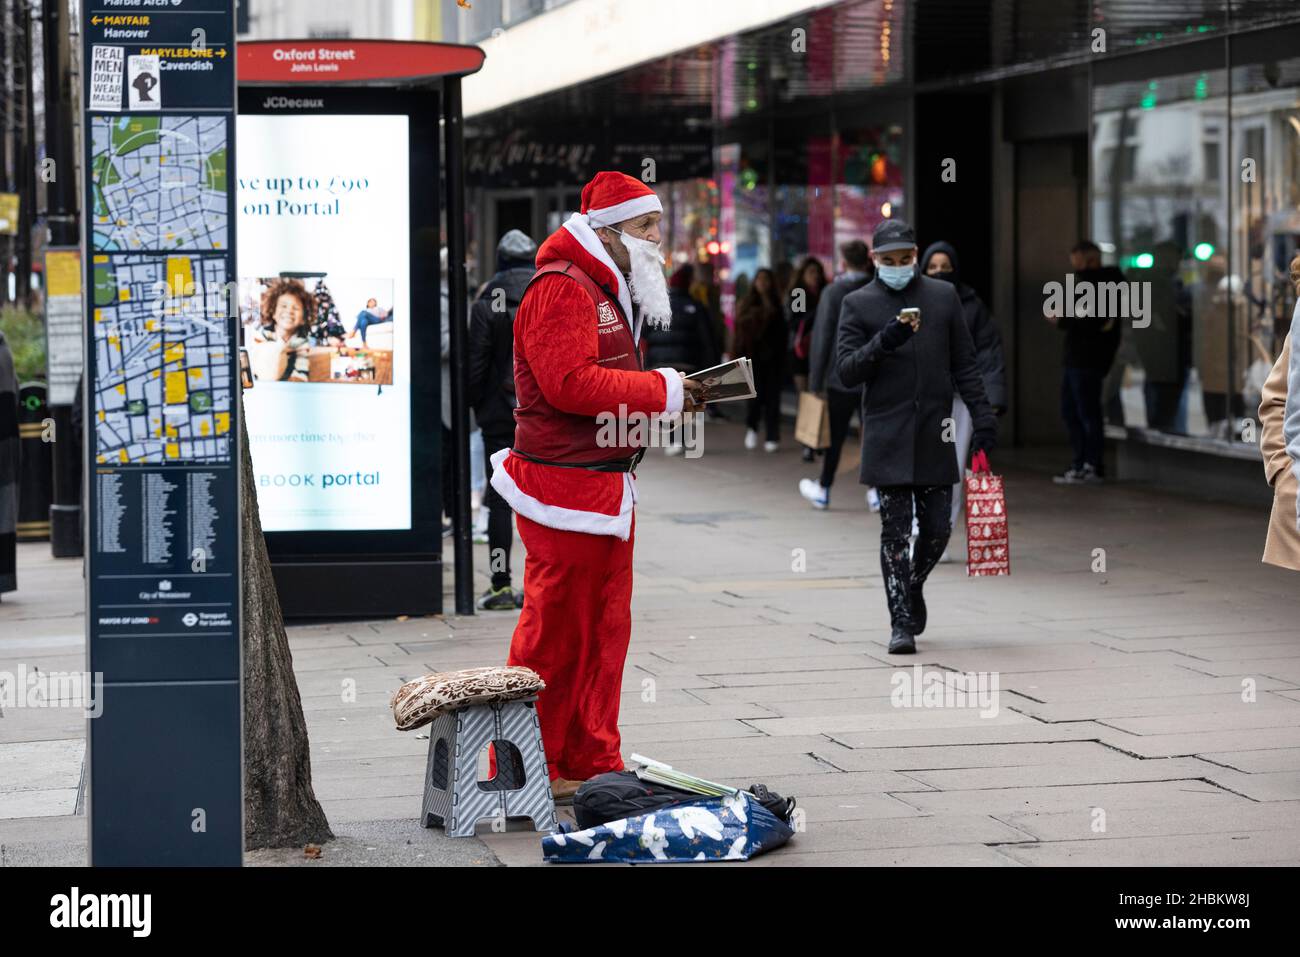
(574, 632)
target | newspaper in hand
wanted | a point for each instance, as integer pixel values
(727, 382)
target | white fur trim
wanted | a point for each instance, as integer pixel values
(565, 519)
(628, 209)
(581, 230)
(676, 394)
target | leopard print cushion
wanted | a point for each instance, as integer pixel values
(418, 702)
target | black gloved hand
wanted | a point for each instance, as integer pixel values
(895, 334)
(984, 440)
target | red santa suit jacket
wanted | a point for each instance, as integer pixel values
(577, 372)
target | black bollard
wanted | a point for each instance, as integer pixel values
(36, 472)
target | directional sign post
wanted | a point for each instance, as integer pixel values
(162, 401)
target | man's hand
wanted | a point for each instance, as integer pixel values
(693, 394)
(895, 334)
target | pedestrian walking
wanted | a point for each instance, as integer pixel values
(909, 363)
(491, 388)
(800, 304)
(1279, 417)
(939, 261)
(760, 335)
(1091, 342)
(824, 377)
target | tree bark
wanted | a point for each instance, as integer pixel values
(280, 807)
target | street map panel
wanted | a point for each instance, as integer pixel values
(162, 364)
(159, 183)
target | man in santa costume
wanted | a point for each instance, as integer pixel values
(577, 366)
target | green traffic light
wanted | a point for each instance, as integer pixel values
(1144, 260)
(1203, 251)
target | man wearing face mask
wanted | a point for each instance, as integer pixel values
(909, 367)
(569, 478)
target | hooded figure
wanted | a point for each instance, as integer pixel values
(491, 387)
(585, 408)
(983, 330)
(988, 355)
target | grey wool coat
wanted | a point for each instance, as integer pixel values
(908, 393)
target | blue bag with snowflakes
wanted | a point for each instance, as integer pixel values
(729, 828)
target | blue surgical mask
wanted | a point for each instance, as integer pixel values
(895, 277)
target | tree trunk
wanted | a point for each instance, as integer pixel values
(280, 807)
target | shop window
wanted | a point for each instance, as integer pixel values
(1264, 181)
(1160, 210)
(869, 189)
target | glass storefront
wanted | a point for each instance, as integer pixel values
(1194, 196)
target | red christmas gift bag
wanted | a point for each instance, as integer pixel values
(988, 549)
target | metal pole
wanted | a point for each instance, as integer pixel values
(60, 111)
(6, 162)
(61, 216)
(25, 150)
(454, 149)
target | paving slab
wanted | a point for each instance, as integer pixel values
(1242, 848)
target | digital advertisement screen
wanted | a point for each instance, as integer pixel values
(325, 305)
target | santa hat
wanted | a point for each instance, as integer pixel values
(612, 198)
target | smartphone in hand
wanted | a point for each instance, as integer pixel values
(912, 316)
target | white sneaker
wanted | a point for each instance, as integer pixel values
(770, 446)
(751, 439)
(873, 498)
(816, 493)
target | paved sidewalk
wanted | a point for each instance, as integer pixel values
(1148, 714)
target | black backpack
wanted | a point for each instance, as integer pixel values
(615, 795)
(619, 794)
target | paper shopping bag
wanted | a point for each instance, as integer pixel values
(988, 548)
(813, 426)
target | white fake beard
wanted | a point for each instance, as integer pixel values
(647, 285)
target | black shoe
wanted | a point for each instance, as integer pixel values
(918, 610)
(808, 454)
(901, 643)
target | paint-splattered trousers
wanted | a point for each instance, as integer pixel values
(905, 573)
